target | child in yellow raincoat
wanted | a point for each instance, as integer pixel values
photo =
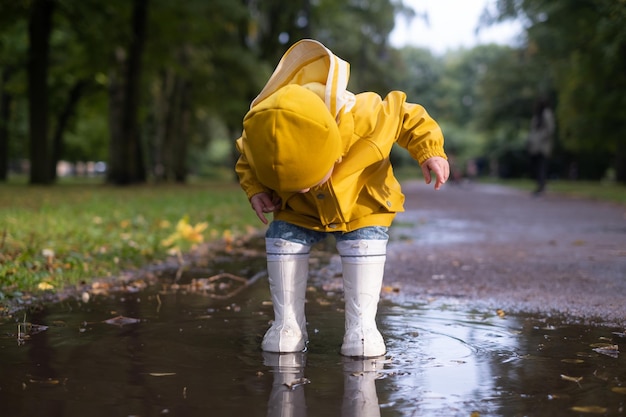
(317, 157)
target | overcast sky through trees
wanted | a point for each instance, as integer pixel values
(452, 25)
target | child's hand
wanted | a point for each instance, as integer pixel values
(440, 167)
(264, 203)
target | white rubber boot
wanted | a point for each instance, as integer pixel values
(288, 270)
(363, 263)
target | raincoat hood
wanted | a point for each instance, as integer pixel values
(292, 139)
(308, 61)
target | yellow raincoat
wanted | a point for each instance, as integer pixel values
(362, 190)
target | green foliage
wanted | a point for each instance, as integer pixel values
(88, 138)
(421, 74)
(204, 61)
(476, 95)
(582, 44)
(358, 31)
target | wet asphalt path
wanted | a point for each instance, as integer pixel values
(494, 247)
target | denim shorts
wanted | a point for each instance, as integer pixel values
(282, 230)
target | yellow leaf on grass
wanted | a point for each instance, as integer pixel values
(619, 390)
(186, 233)
(43, 286)
(191, 233)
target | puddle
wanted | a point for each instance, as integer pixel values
(415, 226)
(184, 353)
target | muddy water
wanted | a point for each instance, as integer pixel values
(183, 353)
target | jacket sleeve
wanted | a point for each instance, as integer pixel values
(418, 132)
(385, 122)
(247, 179)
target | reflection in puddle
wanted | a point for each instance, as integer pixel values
(287, 397)
(186, 354)
(461, 363)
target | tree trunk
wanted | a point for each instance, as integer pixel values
(5, 115)
(170, 116)
(173, 118)
(64, 118)
(620, 162)
(126, 163)
(162, 108)
(179, 163)
(116, 167)
(39, 28)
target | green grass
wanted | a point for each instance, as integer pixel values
(52, 237)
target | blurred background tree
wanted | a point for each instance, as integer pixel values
(157, 89)
(576, 51)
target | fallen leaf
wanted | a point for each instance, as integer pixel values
(575, 379)
(601, 345)
(619, 390)
(162, 373)
(43, 286)
(121, 321)
(387, 289)
(44, 381)
(296, 383)
(608, 350)
(590, 409)
(29, 329)
(500, 313)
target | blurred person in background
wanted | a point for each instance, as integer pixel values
(540, 143)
